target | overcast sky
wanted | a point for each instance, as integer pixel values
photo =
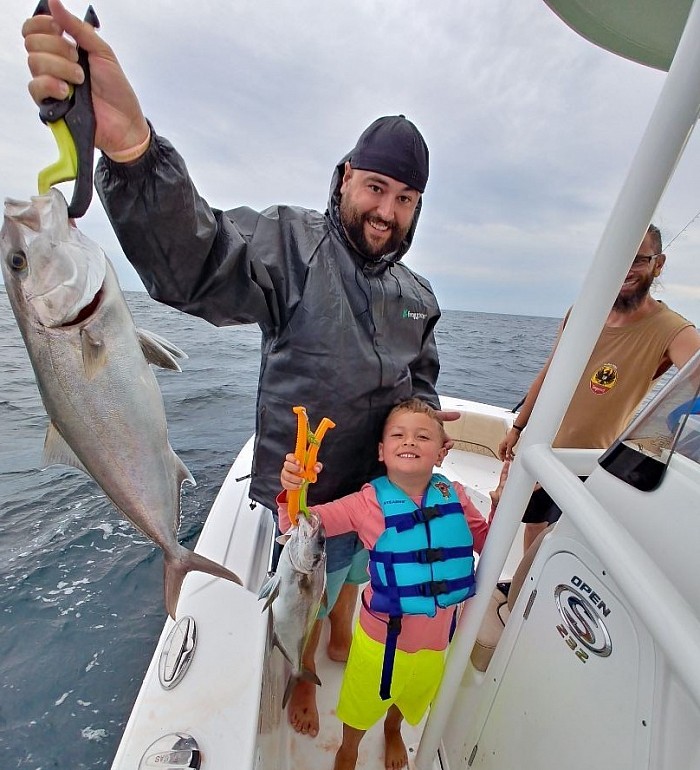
(531, 129)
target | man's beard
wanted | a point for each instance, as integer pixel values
(354, 224)
(626, 303)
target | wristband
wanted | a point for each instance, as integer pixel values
(518, 428)
(133, 153)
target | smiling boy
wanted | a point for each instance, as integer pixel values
(421, 531)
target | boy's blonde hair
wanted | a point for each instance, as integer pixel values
(416, 406)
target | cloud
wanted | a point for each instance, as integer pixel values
(531, 129)
(690, 292)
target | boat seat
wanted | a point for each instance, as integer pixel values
(478, 433)
(500, 606)
(491, 629)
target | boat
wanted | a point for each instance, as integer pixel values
(593, 657)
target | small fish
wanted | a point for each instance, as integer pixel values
(92, 368)
(295, 593)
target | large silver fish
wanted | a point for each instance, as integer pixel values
(295, 593)
(92, 368)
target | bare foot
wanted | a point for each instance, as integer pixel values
(395, 754)
(301, 709)
(345, 759)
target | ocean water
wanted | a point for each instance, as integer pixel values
(81, 604)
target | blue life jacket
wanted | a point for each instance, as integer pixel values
(423, 560)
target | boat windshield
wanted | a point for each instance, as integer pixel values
(669, 424)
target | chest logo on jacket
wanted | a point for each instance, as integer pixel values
(416, 316)
(443, 489)
(604, 379)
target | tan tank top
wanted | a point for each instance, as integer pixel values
(622, 368)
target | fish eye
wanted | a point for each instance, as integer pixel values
(18, 260)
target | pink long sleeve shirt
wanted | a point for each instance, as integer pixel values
(360, 512)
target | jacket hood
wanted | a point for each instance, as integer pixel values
(333, 212)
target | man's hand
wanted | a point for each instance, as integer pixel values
(53, 63)
(448, 417)
(505, 448)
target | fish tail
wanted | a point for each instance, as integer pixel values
(178, 565)
(294, 679)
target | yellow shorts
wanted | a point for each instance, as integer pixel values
(414, 683)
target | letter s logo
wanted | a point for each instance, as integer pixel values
(583, 620)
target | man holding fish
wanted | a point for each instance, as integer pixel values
(348, 329)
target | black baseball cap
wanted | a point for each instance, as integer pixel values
(392, 145)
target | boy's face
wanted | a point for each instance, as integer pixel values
(411, 444)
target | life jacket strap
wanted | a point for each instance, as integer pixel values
(403, 521)
(453, 624)
(422, 556)
(393, 630)
(430, 588)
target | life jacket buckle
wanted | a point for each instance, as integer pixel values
(436, 587)
(430, 555)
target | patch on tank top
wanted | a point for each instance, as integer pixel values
(604, 379)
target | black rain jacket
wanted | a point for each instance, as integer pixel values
(346, 337)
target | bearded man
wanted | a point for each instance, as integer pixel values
(641, 339)
(347, 327)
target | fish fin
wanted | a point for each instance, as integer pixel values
(57, 451)
(276, 643)
(158, 351)
(289, 689)
(177, 565)
(282, 539)
(270, 590)
(310, 676)
(94, 354)
(324, 600)
(294, 679)
(183, 474)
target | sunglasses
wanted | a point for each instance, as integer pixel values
(641, 260)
